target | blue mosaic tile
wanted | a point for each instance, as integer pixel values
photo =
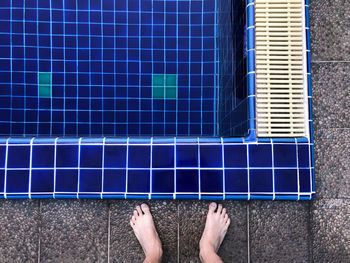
(42, 181)
(162, 156)
(187, 181)
(211, 181)
(66, 180)
(285, 155)
(236, 180)
(163, 181)
(235, 156)
(139, 156)
(261, 180)
(138, 181)
(286, 180)
(114, 180)
(187, 155)
(260, 155)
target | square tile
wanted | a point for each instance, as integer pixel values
(303, 156)
(235, 155)
(115, 156)
(139, 156)
(74, 231)
(18, 157)
(44, 91)
(114, 180)
(66, 180)
(43, 156)
(2, 156)
(17, 181)
(285, 155)
(211, 181)
(211, 156)
(162, 157)
(260, 155)
(91, 156)
(42, 181)
(305, 178)
(138, 181)
(90, 181)
(187, 181)
(236, 180)
(261, 180)
(44, 78)
(187, 156)
(286, 180)
(163, 181)
(171, 92)
(2, 181)
(67, 155)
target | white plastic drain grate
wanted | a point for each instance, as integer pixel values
(281, 98)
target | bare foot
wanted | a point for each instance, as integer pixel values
(214, 232)
(145, 231)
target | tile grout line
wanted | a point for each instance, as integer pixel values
(248, 236)
(39, 239)
(109, 233)
(178, 233)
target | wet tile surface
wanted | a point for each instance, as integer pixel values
(192, 215)
(331, 230)
(19, 231)
(279, 231)
(124, 246)
(332, 163)
(330, 30)
(74, 231)
(331, 92)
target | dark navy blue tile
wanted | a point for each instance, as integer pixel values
(285, 155)
(18, 157)
(114, 180)
(67, 155)
(236, 180)
(2, 178)
(163, 156)
(90, 180)
(305, 180)
(17, 181)
(211, 156)
(42, 181)
(187, 181)
(139, 156)
(187, 156)
(235, 155)
(91, 156)
(286, 180)
(138, 181)
(261, 180)
(162, 181)
(115, 156)
(303, 155)
(211, 181)
(66, 180)
(2, 156)
(260, 155)
(43, 156)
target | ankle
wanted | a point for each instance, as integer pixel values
(155, 255)
(206, 252)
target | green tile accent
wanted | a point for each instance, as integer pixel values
(44, 78)
(44, 81)
(44, 91)
(164, 86)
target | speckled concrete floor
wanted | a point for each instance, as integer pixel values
(317, 231)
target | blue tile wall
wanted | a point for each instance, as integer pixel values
(154, 167)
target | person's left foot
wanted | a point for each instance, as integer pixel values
(145, 231)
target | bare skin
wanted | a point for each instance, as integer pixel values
(145, 231)
(214, 232)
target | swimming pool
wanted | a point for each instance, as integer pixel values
(140, 99)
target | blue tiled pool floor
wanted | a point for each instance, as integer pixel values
(88, 68)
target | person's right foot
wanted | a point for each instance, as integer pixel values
(145, 231)
(215, 229)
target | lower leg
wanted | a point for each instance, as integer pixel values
(145, 231)
(214, 232)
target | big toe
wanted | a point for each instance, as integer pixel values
(145, 208)
(212, 207)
